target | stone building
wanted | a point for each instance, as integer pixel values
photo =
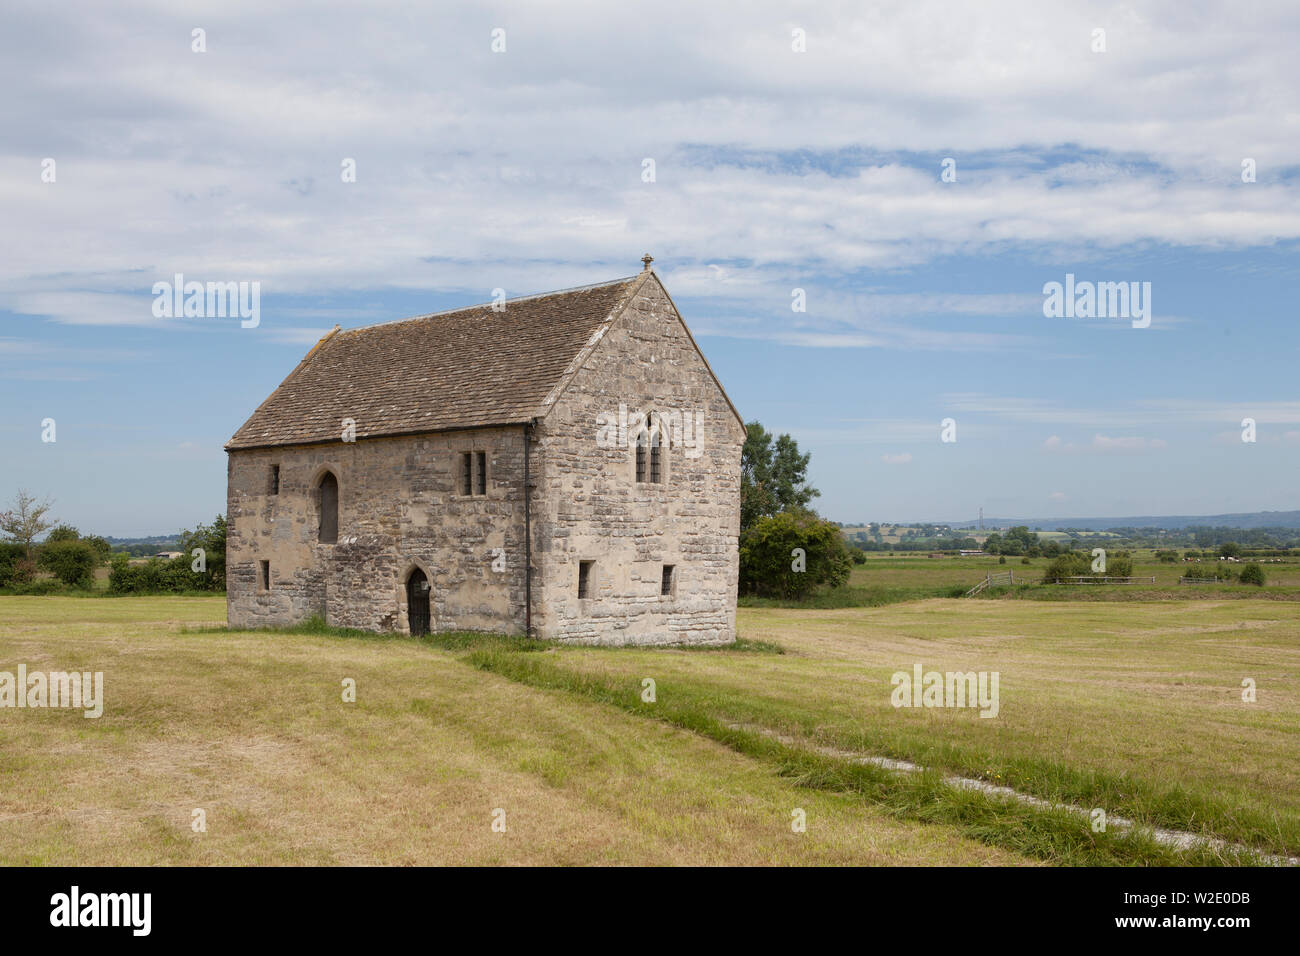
(565, 465)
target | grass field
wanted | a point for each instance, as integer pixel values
(1134, 708)
(252, 729)
(892, 578)
(919, 570)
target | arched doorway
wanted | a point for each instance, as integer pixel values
(417, 602)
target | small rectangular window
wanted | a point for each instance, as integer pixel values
(666, 585)
(265, 575)
(480, 486)
(275, 479)
(466, 474)
(656, 476)
(640, 461)
(584, 579)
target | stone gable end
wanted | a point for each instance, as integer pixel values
(591, 507)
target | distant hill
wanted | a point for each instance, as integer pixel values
(158, 539)
(1246, 521)
(143, 547)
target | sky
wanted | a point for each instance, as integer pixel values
(921, 171)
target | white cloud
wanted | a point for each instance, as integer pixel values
(1105, 444)
(522, 170)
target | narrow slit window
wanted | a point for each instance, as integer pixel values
(666, 584)
(264, 575)
(584, 579)
(466, 474)
(640, 459)
(329, 509)
(480, 485)
(656, 473)
(275, 479)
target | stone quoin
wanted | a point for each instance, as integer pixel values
(445, 473)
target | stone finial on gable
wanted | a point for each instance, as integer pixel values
(647, 259)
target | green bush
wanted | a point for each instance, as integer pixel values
(71, 561)
(1252, 574)
(11, 555)
(769, 566)
(176, 576)
(1068, 564)
(1118, 566)
(24, 571)
(102, 548)
(155, 576)
(212, 539)
(63, 532)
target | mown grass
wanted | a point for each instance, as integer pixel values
(1140, 714)
(1135, 709)
(1132, 592)
(1056, 836)
(818, 698)
(251, 728)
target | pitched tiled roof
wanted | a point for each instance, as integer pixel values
(462, 369)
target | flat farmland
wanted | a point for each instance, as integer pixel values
(1133, 708)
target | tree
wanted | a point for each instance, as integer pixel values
(72, 562)
(1252, 574)
(1230, 549)
(101, 545)
(773, 476)
(1019, 540)
(790, 554)
(63, 532)
(26, 521)
(212, 540)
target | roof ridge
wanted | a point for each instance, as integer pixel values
(480, 305)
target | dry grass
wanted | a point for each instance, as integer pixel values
(1136, 708)
(251, 728)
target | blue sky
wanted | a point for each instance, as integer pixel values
(775, 170)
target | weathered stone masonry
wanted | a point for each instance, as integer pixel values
(555, 364)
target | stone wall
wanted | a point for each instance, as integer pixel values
(589, 506)
(400, 507)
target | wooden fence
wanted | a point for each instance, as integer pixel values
(1003, 577)
(1089, 579)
